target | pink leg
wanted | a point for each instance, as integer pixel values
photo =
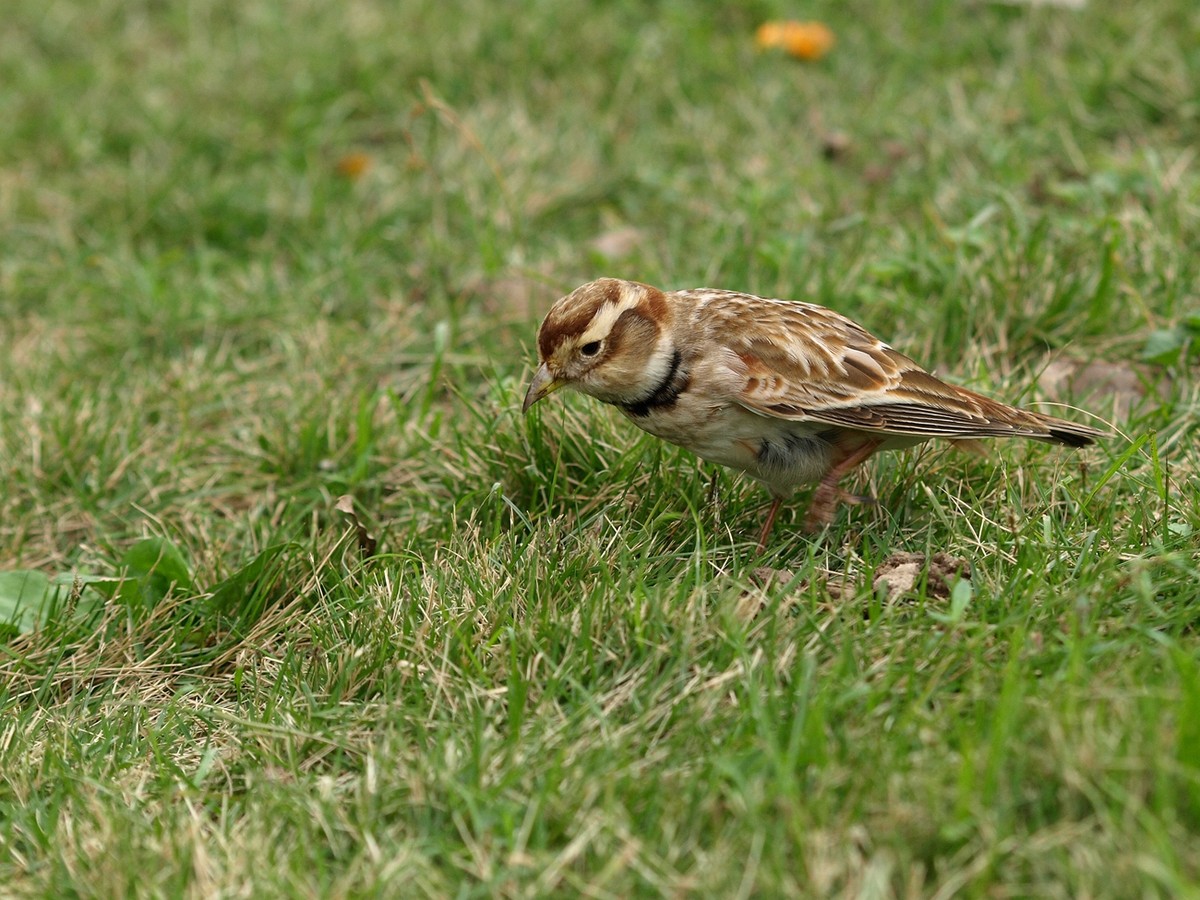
(827, 495)
(769, 524)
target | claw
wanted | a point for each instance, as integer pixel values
(857, 499)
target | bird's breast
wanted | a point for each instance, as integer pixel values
(779, 453)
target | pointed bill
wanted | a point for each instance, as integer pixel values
(543, 383)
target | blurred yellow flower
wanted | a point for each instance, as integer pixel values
(354, 165)
(803, 40)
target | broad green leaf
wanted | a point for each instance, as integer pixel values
(241, 595)
(23, 596)
(29, 599)
(155, 564)
(1163, 345)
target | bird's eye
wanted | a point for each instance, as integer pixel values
(591, 348)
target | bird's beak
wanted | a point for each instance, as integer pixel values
(543, 383)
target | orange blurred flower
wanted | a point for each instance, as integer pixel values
(354, 165)
(803, 40)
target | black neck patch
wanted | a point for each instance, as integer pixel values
(673, 384)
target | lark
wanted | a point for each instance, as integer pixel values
(790, 393)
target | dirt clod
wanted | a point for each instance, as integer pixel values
(900, 574)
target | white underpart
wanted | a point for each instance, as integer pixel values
(659, 363)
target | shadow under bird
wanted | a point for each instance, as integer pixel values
(790, 393)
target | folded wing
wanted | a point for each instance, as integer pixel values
(807, 363)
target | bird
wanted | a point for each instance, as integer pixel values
(790, 393)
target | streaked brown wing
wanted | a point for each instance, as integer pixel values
(807, 363)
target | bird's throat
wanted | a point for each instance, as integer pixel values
(667, 390)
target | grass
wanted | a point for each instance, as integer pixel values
(558, 673)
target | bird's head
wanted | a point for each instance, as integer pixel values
(609, 339)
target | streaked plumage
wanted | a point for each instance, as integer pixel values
(790, 393)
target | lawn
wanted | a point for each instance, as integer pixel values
(325, 615)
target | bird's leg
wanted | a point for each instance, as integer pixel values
(827, 495)
(769, 524)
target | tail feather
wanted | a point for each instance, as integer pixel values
(1060, 431)
(1036, 425)
(1072, 438)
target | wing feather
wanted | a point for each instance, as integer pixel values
(807, 363)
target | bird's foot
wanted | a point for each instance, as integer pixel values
(824, 505)
(857, 499)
